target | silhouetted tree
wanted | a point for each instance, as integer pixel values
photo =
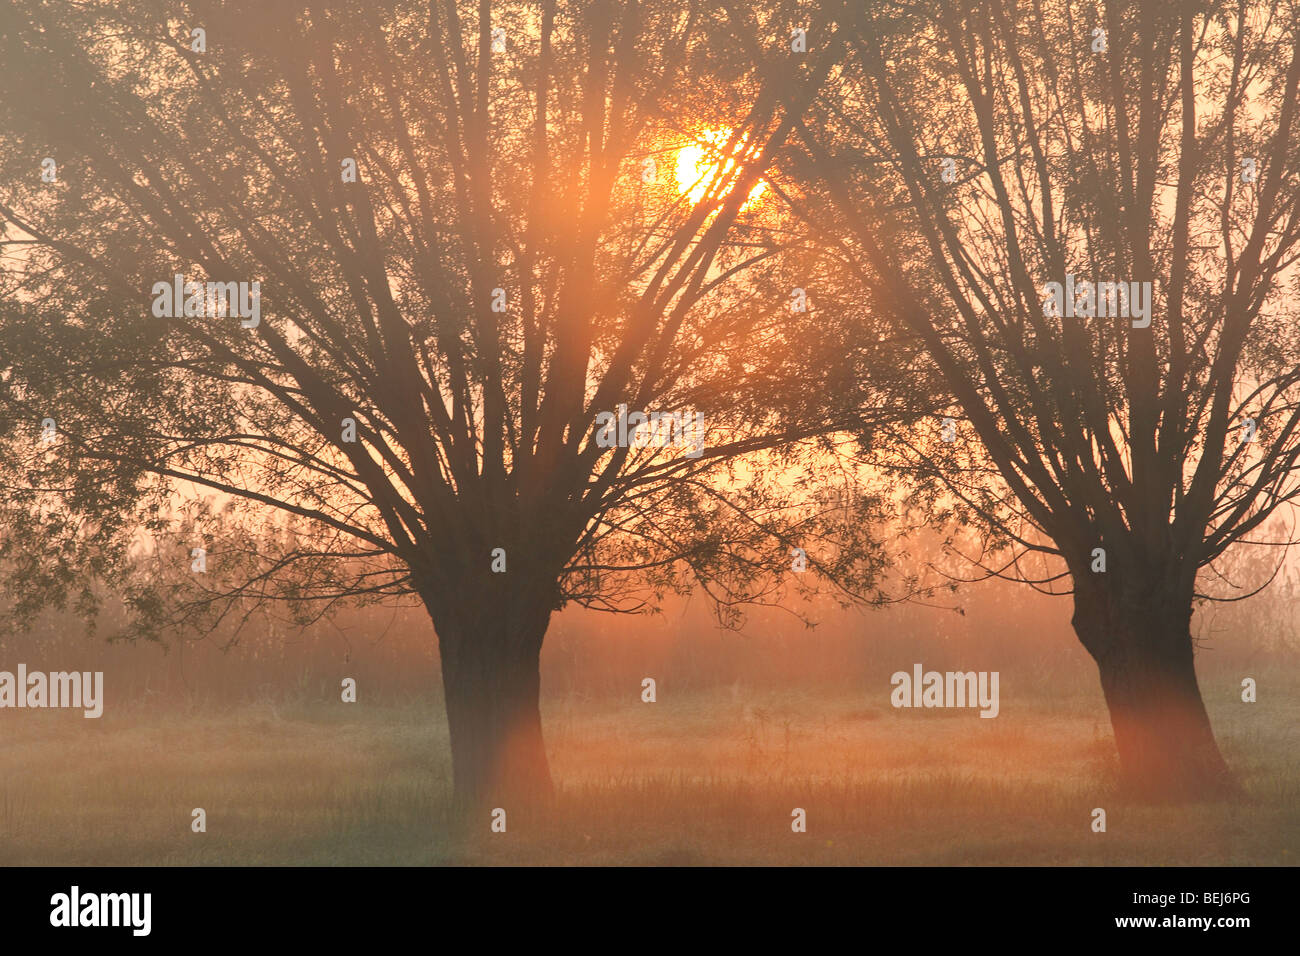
(512, 258)
(967, 155)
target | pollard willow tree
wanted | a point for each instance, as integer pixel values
(468, 244)
(986, 167)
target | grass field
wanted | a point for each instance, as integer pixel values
(700, 778)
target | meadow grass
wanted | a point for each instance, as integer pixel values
(702, 777)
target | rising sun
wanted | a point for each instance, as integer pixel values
(704, 160)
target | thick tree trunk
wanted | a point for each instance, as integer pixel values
(1144, 655)
(490, 641)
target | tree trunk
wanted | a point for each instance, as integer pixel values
(490, 641)
(1144, 654)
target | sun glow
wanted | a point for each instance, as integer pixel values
(700, 164)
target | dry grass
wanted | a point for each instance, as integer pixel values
(695, 779)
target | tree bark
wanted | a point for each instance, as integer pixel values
(490, 639)
(1144, 655)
